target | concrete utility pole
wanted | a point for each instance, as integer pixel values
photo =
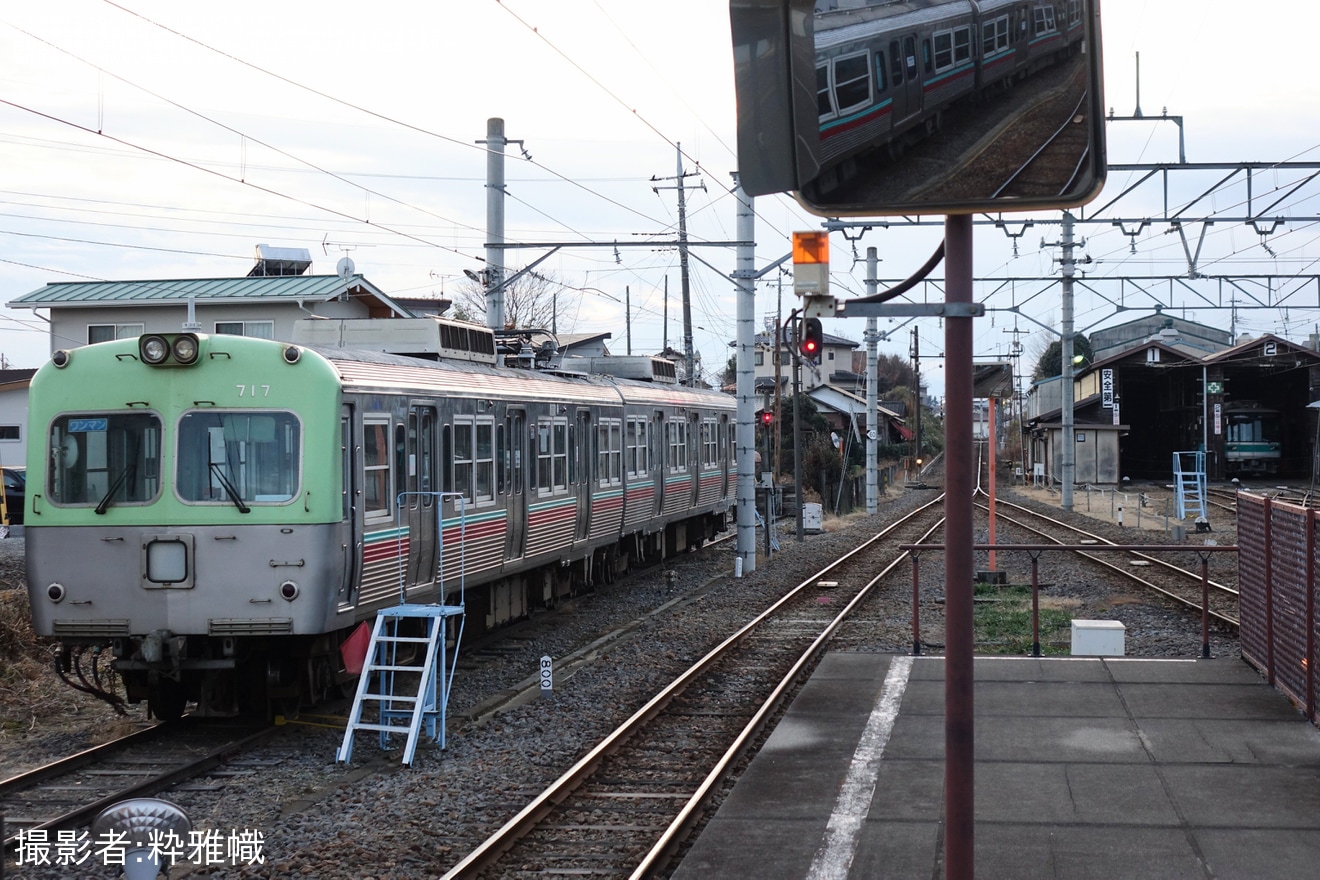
(1067, 465)
(872, 338)
(745, 430)
(683, 260)
(493, 277)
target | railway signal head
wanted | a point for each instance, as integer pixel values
(767, 418)
(813, 337)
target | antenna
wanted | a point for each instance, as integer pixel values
(345, 268)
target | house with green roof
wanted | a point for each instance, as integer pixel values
(265, 303)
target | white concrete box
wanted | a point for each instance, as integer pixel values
(811, 517)
(1098, 638)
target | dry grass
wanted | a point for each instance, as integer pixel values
(838, 523)
(30, 691)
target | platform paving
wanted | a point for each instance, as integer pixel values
(1085, 768)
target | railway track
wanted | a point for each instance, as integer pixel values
(69, 793)
(1061, 157)
(1149, 571)
(623, 808)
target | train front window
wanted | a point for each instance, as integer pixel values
(239, 457)
(104, 459)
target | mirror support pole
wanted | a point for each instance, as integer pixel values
(959, 478)
(745, 431)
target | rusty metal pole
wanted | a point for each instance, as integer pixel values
(959, 732)
(916, 608)
(1035, 604)
(1310, 615)
(1205, 606)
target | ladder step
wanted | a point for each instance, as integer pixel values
(382, 728)
(402, 698)
(420, 640)
(370, 668)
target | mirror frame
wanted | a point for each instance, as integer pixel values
(779, 148)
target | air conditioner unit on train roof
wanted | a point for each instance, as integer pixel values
(640, 367)
(415, 337)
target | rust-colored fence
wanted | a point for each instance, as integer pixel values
(1276, 580)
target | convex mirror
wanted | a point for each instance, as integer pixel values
(920, 106)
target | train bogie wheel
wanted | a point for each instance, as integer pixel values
(168, 700)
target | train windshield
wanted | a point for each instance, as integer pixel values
(239, 457)
(105, 459)
(1252, 427)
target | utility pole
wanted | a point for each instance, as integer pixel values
(1067, 465)
(683, 259)
(872, 338)
(745, 384)
(493, 277)
(627, 315)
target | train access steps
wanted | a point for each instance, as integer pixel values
(408, 694)
(1189, 481)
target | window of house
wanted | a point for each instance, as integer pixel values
(110, 332)
(255, 329)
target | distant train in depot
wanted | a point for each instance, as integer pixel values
(1252, 439)
(217, 513)
(887, 72)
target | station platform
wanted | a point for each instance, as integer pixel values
(1097, 768)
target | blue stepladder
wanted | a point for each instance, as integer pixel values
(405, 674)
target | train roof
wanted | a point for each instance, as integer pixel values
(378, 371)
(842, 26)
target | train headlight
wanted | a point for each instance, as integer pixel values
(169, 349)
(154, 349)
(289, 591)
(292, 354)
(185, 348)
(60, 359)
(56, 593)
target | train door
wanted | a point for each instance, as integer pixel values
(515, 482)
(905, 75)
(419, 506)
(580, 462)
(352, 510)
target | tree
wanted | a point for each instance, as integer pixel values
(530, 301)
(1051, 361)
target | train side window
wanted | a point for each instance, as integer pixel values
(552, 455)
(943, 50)
(910, 56)
(678, 445)
(710, 443)
(402, 471)
(994, 36)
(609, 452)
(463, 456)
(483, 462)
(1044, 20)
(926, 61)
(880, 84)
(895, 63)
(962, 45)
(376, 468)
(446, 458)
(852, 83)
(823, 105)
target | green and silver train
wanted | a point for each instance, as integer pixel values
(215, 514)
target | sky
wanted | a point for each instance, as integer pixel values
(150, 140)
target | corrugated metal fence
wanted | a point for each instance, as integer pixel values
(1277, 566)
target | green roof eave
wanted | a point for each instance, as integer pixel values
(226, 291)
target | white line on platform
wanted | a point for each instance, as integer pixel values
(834, 858)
